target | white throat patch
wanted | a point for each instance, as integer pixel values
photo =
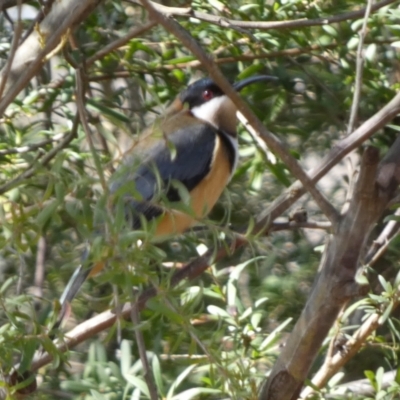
(214, 110)
(221, 113)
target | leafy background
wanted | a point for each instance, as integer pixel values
(218, 336)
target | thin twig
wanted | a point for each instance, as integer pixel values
(332, 366)
(14, 45)
(80, 103)
(51, 43)
(260, 143)
(46, 7)
(32, 147)
(250, 56)
(336, 154)
(147, 370)
(121, 73)
(188, 12)
(39, 266)
(132, 33)
(283, 226)
(223, 60)
(388, 233)
(359, 71)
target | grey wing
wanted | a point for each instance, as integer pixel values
(183, 157)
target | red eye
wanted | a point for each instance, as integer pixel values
(207, 95)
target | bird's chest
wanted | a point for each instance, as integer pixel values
(207, 192)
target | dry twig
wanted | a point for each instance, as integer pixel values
(188, 12)
(359, 70)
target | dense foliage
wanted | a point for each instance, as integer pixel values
(217, 336)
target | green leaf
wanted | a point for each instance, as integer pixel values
(126, 356)
(106, 111)
(273, 336)
(97, 395)
(195, 393)
(138, 383)
(47, 213)
(179, 60)
(181, 377)
(28, 352)
(161, 307)
(386, 314)
(251, 70)
(156, 367)
(379, 378)
(371, 377)
(385, 284)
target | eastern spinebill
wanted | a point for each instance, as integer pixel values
(195, 146)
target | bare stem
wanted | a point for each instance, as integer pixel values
(359, 70)
(147, 370)
(188, 12)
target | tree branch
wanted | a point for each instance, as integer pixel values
(359, 71)
(332, 365)
(338, 152)
(33, 51)
(132, 33)
(32, 147)
(335, 284)
(147, 370)
(14, 46)
(380, 244)
(188, 12)
(292, 225)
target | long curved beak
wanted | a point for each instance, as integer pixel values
(253, 79)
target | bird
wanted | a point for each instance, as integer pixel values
(192, 149)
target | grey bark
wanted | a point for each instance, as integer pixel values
(335, 283)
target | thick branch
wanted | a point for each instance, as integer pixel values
(4, 4)
(335, 284)
(31, 54)
(332, 364)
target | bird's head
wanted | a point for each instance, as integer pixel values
(206, 101)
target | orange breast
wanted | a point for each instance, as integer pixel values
(203, 197)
